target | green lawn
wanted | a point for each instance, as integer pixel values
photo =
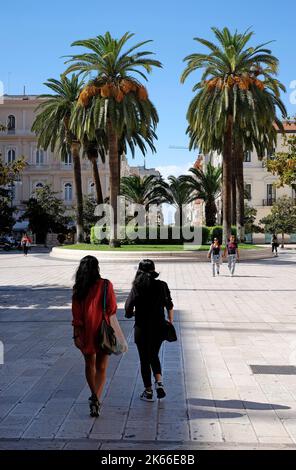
(86, 246)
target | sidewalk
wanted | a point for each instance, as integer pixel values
(214, 400)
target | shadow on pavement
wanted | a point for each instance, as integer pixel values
(231, 404)
(206, 414)
(240, 404)
(15, 297)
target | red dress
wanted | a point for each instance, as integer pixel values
(88, 314)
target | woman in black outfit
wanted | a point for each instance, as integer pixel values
(147, 301)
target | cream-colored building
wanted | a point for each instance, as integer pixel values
(259, 183)
(18, 112)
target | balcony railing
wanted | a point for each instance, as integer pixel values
(269, 201)
(56, 165)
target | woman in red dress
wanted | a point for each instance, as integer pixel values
(87, 311)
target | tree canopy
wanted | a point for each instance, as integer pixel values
(284, 164)
(282, 218)
(45, 212)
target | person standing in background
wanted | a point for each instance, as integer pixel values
(274, 244)
(26, 243)
(215, 255)
(232, 252)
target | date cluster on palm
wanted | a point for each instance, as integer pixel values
(244, 82)
(117, 90)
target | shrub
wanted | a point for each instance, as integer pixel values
(217, 232)
(205, 235)
(140, 236)
(61, 238)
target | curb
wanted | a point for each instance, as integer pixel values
(168, 256)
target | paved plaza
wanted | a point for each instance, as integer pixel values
(214, 398)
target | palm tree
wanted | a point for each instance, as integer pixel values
(141, 191)
(207, 185)
(118, 102)
(231, 97)
(53, 130)
(178, 193)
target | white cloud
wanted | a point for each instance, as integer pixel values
(175, 170)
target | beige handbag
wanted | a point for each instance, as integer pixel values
(119, 333)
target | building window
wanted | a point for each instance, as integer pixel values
(248, 191)
(68, 192)
(39, 185)
(11, 124)
(270, 194)
(11, 156)
(39, 157)
(247, 156)
(68, 160)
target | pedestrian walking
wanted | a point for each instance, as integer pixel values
(26, 243)
(88, 308)
(274, 244)
(232, 252)
(147, 300)
(215, 255)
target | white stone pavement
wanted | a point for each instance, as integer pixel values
(213, 398)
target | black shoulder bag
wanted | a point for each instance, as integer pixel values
(169, 332)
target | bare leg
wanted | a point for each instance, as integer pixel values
(101, 372)
(158, 377)
(90, 372)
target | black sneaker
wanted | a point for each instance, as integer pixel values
(94, 406)
(159, 390)
(147, 395)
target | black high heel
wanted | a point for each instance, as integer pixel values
(94, 406)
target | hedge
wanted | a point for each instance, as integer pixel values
(141, 235)
(217, 232)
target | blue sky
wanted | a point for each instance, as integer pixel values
(35, 35)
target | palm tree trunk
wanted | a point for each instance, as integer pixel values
(233, 188)
(119, 167)
(210, 213)
(226, 181)
(240, 194)
(179, 220)
(114, 183)
(75, 150)
(99, 193)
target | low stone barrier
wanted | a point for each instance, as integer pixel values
(165, 256)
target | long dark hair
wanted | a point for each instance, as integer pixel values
(87, 274)
(145, 277)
